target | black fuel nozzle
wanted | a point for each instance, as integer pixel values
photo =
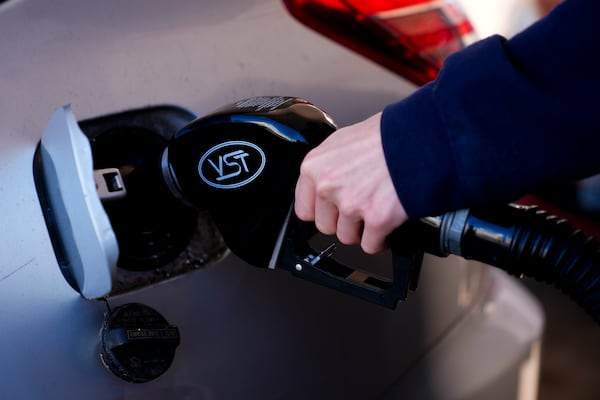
(241, 163)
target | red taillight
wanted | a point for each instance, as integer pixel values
(410, 37)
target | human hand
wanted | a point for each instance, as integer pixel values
(345, 187)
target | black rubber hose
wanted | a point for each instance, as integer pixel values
(527, 242)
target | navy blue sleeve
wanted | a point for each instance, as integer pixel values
(503, 118)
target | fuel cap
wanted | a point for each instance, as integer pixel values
(137, 343)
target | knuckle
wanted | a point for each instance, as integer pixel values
(376, 221)
(350, 207)
(306, 167)
(325, 228)
(324, 190)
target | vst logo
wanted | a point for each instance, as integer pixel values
(231, 164)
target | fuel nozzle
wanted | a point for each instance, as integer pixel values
(241, 163)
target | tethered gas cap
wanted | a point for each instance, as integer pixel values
(137, 343)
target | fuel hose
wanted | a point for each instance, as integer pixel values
(524, 241)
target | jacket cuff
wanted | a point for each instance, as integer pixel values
(419, 155)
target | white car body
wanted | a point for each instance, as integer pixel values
(469, 332)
